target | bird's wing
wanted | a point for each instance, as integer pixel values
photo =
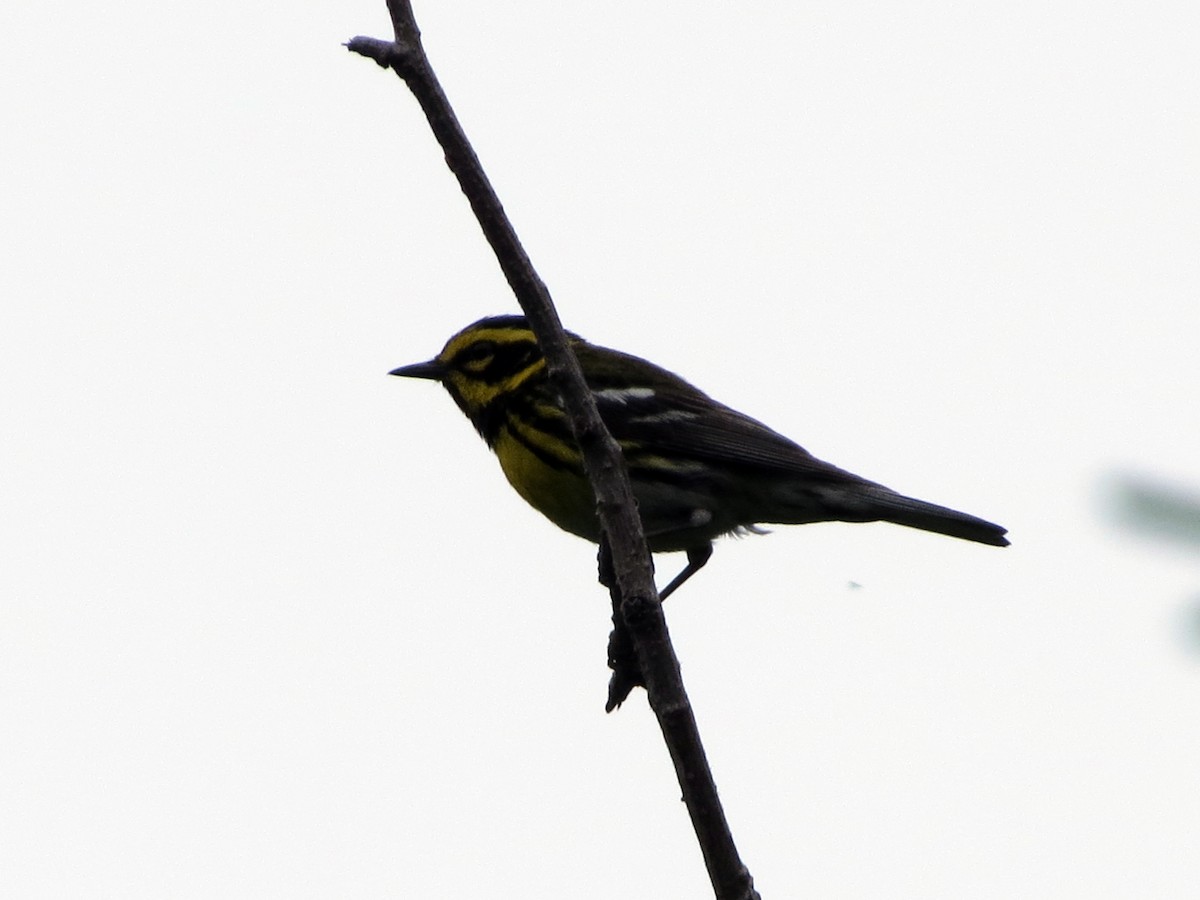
(657, 412)
(716, 433)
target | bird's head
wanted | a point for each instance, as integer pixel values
(492, 358)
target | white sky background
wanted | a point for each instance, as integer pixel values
(273, 625)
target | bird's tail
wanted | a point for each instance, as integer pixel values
(900, 510)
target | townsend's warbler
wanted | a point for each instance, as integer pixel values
(699, 469)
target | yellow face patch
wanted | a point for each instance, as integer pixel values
(483, 363)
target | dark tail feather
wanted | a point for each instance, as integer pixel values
(901, 510)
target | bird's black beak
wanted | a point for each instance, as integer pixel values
(433, 370)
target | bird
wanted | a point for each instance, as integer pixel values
(699, 469)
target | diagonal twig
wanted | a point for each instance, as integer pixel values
(628, 572)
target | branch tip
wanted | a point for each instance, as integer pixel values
(382, 52)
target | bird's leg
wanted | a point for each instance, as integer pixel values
(696, 558)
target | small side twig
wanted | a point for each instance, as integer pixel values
(631, 573)
(622, 654)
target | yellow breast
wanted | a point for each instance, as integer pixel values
(560, 494)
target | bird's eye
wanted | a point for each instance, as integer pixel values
(477, 353)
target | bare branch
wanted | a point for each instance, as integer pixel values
(630, 573)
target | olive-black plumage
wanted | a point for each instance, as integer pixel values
(698, 468)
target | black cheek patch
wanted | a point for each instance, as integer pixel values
(509, 360)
